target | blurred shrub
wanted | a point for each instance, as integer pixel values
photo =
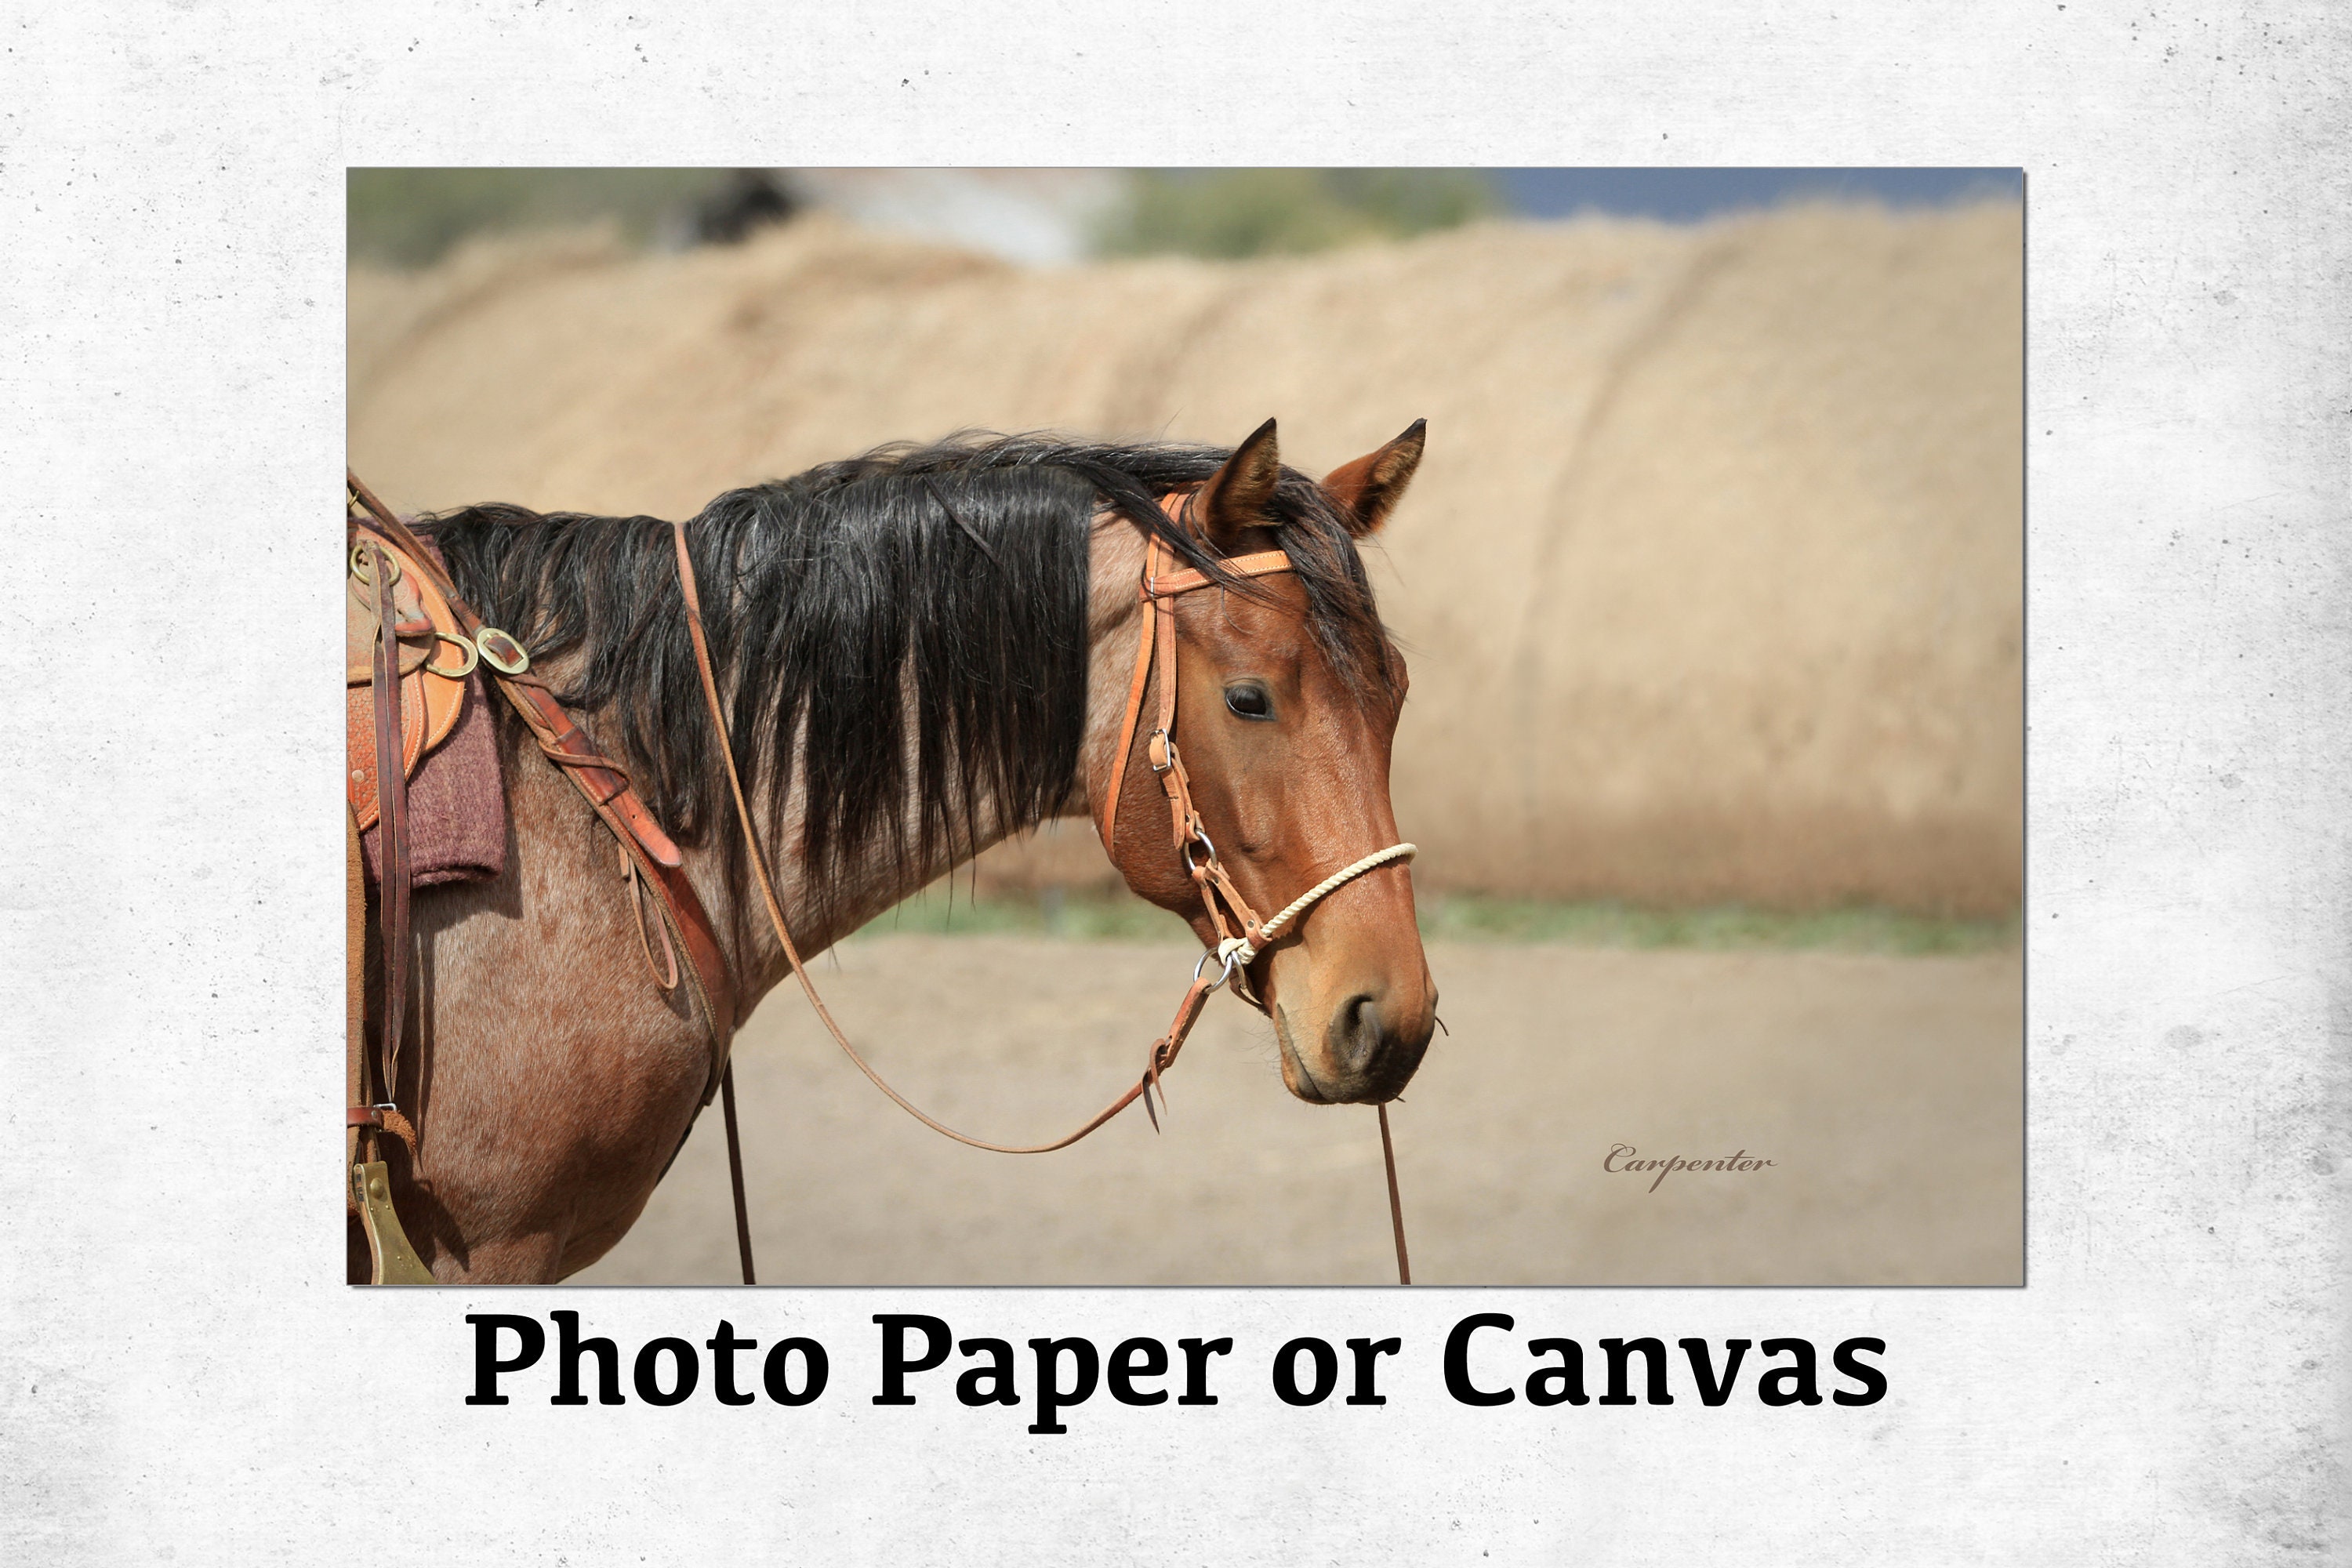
(408, 218)
(946, 908)
(411, 217)
(1232, 213)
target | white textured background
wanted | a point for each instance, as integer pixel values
(184, 1378)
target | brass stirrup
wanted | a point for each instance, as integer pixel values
(395, 1262)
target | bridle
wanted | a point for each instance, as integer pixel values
(1236, 949)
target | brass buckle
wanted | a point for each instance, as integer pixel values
(501, 652)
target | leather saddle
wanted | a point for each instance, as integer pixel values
(435, 656)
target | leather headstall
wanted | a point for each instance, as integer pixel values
(1241, 934)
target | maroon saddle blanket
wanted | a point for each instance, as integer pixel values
(457, 804)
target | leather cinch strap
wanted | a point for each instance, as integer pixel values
(391, 820)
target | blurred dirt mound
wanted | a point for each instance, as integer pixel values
(1711, 580)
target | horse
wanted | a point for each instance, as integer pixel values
(922, 651)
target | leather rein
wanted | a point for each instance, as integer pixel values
(1243, 935)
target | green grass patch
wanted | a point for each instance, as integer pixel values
(409, 217)
(1096, 917)
(1716, 928)
(939, 911)
(412, 216)
(1230, 213)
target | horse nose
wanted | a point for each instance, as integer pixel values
(1377, 1047)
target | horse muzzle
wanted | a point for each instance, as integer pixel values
(1362, 1047)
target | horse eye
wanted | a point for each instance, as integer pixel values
(1249, 702)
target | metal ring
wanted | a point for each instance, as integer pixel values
(359, 556)
(1200, 837)
(1228, 974)
(473, 656)
(521, 660)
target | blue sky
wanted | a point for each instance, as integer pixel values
(1685, 196)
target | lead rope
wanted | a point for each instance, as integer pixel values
(1396, 1209)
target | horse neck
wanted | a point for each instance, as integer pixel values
(874, 887)
(878, 884)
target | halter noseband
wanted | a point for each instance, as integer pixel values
(1159, 591)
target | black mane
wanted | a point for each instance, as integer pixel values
(943, 586)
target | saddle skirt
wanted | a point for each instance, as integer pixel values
(432, 689)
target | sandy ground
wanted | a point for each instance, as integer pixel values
(1887, 1091)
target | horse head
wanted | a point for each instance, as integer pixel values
(1286, 695)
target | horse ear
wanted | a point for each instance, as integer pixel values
(1369, 489)
(1241, 494)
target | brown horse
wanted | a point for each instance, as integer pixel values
(924, 651)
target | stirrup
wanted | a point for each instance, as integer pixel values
(395, 1261)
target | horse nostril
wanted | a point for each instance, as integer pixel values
(1355, 1033)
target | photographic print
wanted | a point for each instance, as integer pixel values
(1548, 641)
